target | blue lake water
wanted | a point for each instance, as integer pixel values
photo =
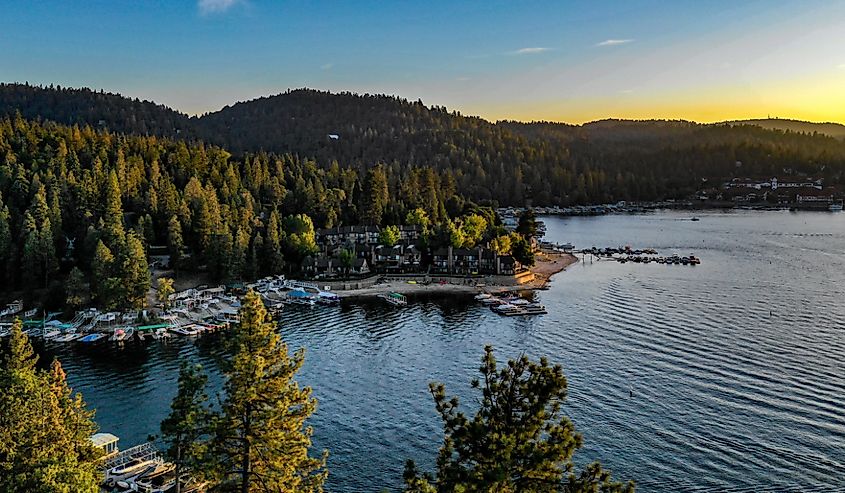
(727, 376)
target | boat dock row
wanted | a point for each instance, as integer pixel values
(511, 306)
(627, 254)
(140, 468)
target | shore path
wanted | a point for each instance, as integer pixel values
(547, 265)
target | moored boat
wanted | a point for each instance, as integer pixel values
(93, 338)
(395, 299)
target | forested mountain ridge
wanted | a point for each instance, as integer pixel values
(828, 128)
(98, 109)
(509, 163)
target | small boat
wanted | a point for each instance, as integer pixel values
(328, 298)
(835, 207)
(300, 297)
(50, 335)
(693, 218)
(128, 482)
(125, 471)
(122, 334)
(161, 333)
(482, 297)
(395, 299)
(67, 337)
(534, 309)
(508, 310)
(92, 338)
(156, 481)
(185, 330)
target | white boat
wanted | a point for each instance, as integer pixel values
(835, 207)
(328, 298)
(146, 476)
(483, 297)
(507, 310)
(534, 309)
(155, 481)
(49, 335)
(132, 468)
(519, 302)
(67, 337)
(161, 333)
(185, 330)
(395, 299)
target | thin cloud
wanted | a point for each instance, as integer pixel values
(841, 66)
(614, 42)
(528, 51)
(327, 66)
(207, 7)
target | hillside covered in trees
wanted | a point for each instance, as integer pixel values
(508, 163)
(81, 205)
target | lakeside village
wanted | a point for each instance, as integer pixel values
(374, 270)
(793, 193)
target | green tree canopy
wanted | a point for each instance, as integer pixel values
(45, 428)
(518, 440)
(389, 235)
(261, 442)
(184, 429)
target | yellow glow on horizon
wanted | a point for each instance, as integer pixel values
(817, 98)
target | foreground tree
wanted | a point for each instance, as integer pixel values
(260, 441)
(186, 425)
(518, 441)
(389, 235)
(164, 289)
(45, 429)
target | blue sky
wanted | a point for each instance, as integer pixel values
(567, 61)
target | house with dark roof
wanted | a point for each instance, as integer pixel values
(472, 261)
(342, 235)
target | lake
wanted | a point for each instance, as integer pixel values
(727, 376)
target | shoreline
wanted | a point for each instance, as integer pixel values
(537, 277)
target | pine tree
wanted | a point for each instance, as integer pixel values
(260, 441)
(44, 428)
(184, 428)
(76, 290)
(274, 259)
(163, 291)
(113, 231)
(518, 441)
(175, 243)
(106, 285)
(31, 271)
(377, 195)
(5, 242)
(135, 272)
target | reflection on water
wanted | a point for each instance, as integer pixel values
(724, 376)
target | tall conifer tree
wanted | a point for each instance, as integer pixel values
(261, 442)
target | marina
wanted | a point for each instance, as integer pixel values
(191, 313)
(703, 354)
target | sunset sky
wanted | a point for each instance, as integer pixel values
(556, 60)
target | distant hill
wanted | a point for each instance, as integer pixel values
(95, 108)
(832, 129)
(473, 159)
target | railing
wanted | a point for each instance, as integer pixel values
(145, 451)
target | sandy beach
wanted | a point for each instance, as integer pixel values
(538, 277)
